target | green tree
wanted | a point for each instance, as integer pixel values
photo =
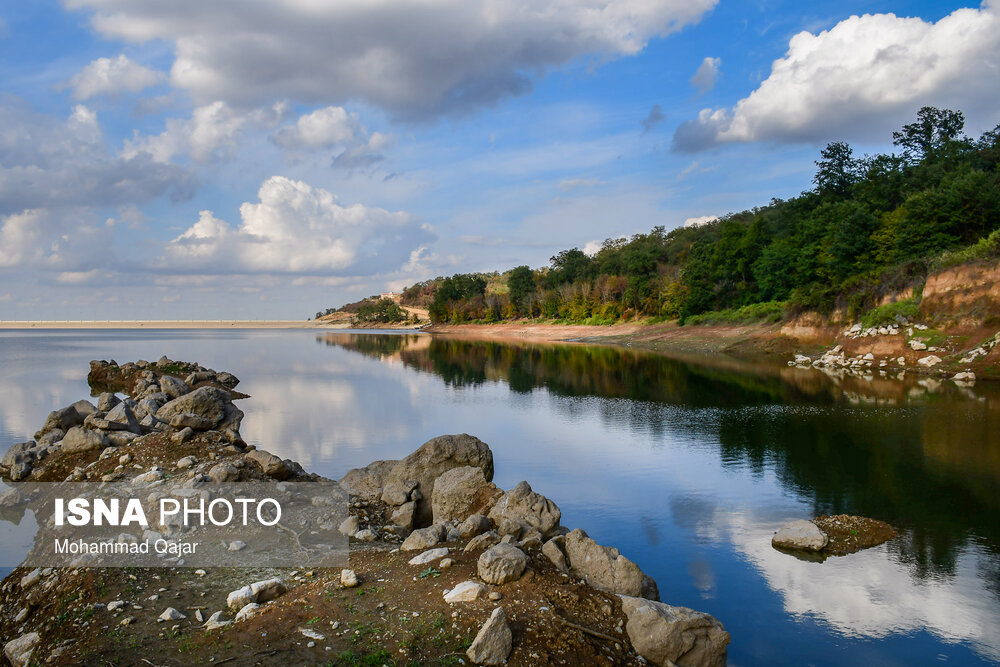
(838, 170)
(521, 284)
(932, 131)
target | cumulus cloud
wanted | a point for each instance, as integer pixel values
(706, 75)
(113, 76)
(295, 228)
(700, 220)
(653, 118)
(211, 133)
(414, 59)
(331, 127)
(860, 79)
(47, 162)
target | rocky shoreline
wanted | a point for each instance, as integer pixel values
(445, 567)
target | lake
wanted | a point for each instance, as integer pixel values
(687, 465)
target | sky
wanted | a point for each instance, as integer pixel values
(266, 159)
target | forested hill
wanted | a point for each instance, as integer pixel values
(870, 225)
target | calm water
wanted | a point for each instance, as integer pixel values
(687, 466)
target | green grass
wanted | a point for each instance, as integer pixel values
(985, 248)
(768, 311)
(932, 337)
(908, 308)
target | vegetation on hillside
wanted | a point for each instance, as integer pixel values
(870, 225)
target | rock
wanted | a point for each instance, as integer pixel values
(964, 376)
(66, 418)
(800, 534)
(123, 415)
(446, 563)
(531, 539)
(510, 528)
(30, 579)
(929, 361)
(224, 472)
(181, 436)
(170, 614)
(215, 621)
(348, 578)
(311, 634)
(484, 541)
(268, 462)
(148, 406)
(227, 379)
(212, 403)
(555, 554)
(115, 605)
(268, 589)
(185, 463)
(467, 591)
(475, 524)
(502, 563)
(397, 492)
(237, 545)
(523, 505)
(666, 635)
(429, 556)
(917, 345)
(19, 650)
(367, 482)
(106, 401)
(191, 421)
(246, 612)
(404, 515)
(460, 492)
(22, 452)
(349, 526)
(606, 569)
(173, 387)
(434, 458)
(154, 474)
(366, 535)
(199, 376)
(494, 641)
(79, 439)
(51, 438)
(423, 538)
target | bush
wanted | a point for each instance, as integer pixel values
(985, 248)
(908, 308)
(382, 311)
(769, 311)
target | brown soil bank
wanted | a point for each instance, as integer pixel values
(523, 590)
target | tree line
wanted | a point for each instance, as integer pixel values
(870, 224)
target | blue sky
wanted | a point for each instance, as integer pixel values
(269, 159)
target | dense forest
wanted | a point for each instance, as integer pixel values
(870, 225)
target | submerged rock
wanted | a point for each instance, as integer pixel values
(800, 534)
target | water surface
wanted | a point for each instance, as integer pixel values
(688, 466)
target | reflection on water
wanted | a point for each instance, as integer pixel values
(687, 465)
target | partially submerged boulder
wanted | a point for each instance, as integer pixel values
(67, 418)
(606, 569)
(800, 534)
(667, 635)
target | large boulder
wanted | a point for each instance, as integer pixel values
(269, 463)
(501, 563)
(173, 387)
(19, 650)
(666, 635)
(67, 418)
(493, 642)
(123, 415)
(800, 534)
(79, 439)
(369, 481)
(423, 538)
(23, 452)
(526, 507)
(212, 403)
(460, 492)
(606, 569)
(434, 458)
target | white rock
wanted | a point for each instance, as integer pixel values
(170, 614)
(115, 605)
(428, 556)
(917, 345)
(929, 361)
(467, 591)
(19, 650)
(311, 634)
(800, 535)
(964, 376)
(493, 643)
(247, 611)
(348, 578)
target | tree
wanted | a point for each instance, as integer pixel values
(934, 129)
(521, 283)
(838, 170)
(569, 266)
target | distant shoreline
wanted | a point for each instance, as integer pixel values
(164, 324)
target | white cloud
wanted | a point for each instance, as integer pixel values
(113, 76)
(414, 59)
(322, 128)
(296, 228)
(705, 76)
(700, 220)
(863, 77)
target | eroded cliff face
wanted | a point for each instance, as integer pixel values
(969, 293)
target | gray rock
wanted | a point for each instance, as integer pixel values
(349, 578)
(171, 614)
(423, 538)
(800, 534)
(239, 598)
(397, 492)
(366, 535)
(120, 438)
(212, 403)
(435, 457)
(123, 415)
(173, 387)
(198, 377)
(182, 436)
(523, 505)
(367, 482)
(51, 437)
(404, 514)
(20, 471)
(666, 635)
(467, 591)
(349, 526)
(19, 650)
(185, 463)
(268, 462)
(606, 569)
(460, 492)
(191, 421)
(554, 553)
(106, 401)
(474, 524)
(259, 591)
(22, 452)
(493, 642)
(79, 439)
(501, 563)
(148, 406)
(484, 541)
(237, 545)
(115, 605)
(227, 380)
(224, 472)
(509, 527)
(429, 556)
(246, 612)
(66, 418)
